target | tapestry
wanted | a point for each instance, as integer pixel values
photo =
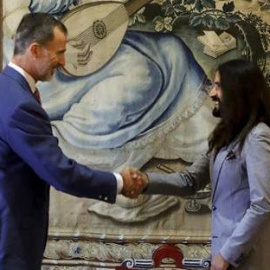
(134, 92)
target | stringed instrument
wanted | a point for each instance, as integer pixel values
(95, 32)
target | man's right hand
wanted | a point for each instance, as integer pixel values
(134, 182)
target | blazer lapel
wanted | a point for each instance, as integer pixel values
(15, 75)
(216, 164)
(212, 158)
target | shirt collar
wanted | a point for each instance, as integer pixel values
(27, 76)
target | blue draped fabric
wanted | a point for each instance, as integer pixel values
(133, 108)
(50, 6)
(143, 85)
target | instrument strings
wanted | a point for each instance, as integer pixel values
(111, 21)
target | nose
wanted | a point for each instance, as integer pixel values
(62, 60)
(213, 91)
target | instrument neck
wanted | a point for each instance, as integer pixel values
(134, 5)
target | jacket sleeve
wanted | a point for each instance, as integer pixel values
(257, 157)
(183, 183)
(30, 136)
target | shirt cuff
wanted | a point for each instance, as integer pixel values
(120, 182)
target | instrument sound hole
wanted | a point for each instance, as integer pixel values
(99, 29)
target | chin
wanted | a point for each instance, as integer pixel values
(47, 78)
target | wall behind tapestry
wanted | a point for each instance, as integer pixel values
(134, 92)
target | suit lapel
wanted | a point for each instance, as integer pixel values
(212, 159)
(216, 166)
(15, 75)
(217, 163)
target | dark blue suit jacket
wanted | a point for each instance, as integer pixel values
(31, 161)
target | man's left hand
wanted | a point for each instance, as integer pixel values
(219, 263)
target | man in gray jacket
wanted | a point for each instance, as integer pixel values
(238, 166)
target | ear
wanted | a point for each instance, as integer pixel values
(35, 49)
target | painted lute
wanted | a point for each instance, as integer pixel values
(95, 32)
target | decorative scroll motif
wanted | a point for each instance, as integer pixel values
(135, 263)
(84, 255)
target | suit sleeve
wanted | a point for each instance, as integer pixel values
(257, 156)
(29, 134)
(183, 183)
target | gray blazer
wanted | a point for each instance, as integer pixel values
(240, 198)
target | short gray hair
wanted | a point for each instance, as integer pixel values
(36, 27)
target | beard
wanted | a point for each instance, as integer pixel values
(216, 112)
(46, 73)
(47, 76)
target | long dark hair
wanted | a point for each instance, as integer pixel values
(245, 102)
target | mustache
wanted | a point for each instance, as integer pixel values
(215, 98)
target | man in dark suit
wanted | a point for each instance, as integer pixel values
(30, 158)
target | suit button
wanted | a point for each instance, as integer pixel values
(214, 208)
(100, 197)
(105, 198)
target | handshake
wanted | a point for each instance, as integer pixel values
(134, 182)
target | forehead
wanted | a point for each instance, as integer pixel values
(217, 77)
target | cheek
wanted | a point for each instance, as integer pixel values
(54, 61)
(213, 92)
(51, 58)
(219, 94)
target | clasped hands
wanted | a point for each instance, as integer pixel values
(134, 182)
